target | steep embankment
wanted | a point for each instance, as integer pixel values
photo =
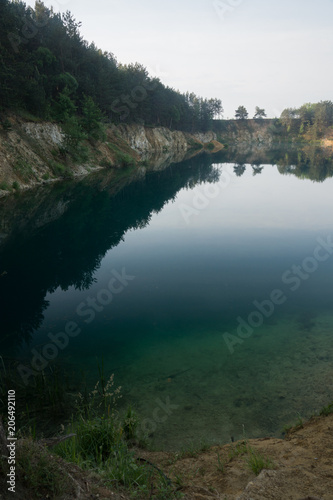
(242, 133)
(33, 153)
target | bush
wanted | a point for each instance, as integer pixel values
(4, 186)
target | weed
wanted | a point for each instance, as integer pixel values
(257, 462)
(240, 449)
(192, 450)
(16, 186)
(130, 423)
(326, 410)
(299, 423)
(220, 466)
(41, 472)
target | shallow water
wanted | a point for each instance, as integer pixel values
(198, 250)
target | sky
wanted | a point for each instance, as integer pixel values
(268, 53)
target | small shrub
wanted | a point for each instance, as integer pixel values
(59, 169)
(16, 185)
(4, 186)
(6, 125)
(105, 163)
(24, 170)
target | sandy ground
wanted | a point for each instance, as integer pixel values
(303, 468)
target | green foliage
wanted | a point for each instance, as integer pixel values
(74, 137)
(64, 108)
(241, 113)
(130, 423)
(16, 186)
(23, 169)
(40, 472)
(326, 410)
(220, 466)
(91, 120)
(58, 169)
(4, 186)
(240, 449)
(259, 114)
(101, 443)
(6, 125)
(122, 159)
(192, 450)
(312, 119)
(46, 68)
(257, 462)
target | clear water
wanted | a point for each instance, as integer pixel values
(199, 249)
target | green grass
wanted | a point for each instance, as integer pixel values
(40, 472)
(326, 410)
(220, 466)
(241, 448)
(24, 170)
(102, 443)
(254, 459)
(192, 450)
(257, 462)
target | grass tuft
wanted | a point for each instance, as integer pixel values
(257, 462)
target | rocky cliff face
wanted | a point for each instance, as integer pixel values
(30, 153)
(245, 133)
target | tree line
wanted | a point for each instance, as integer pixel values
(311, 119)
(49, 70)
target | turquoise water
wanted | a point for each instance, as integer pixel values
(156, 276)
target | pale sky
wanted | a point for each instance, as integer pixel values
(268, 53)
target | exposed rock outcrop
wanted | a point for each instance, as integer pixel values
(31, 153)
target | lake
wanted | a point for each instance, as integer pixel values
(206, 288)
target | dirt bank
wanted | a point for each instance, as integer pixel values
(301, 467)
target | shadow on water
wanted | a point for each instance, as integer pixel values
(56, 237)
(165, 337)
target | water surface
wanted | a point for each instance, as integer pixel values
(198, 247)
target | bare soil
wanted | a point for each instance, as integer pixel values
(302, 470)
